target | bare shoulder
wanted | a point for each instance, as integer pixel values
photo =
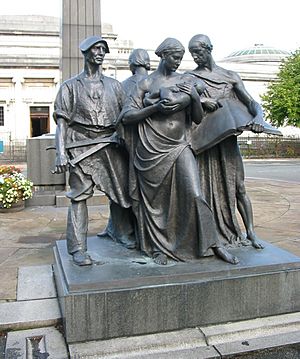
(231, 74)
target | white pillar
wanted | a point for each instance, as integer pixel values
(21, 124)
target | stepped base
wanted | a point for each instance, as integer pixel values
(126, 294)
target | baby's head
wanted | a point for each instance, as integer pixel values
(200, 87)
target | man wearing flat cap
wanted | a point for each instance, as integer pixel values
(85, 111)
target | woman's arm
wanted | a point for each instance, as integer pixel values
(196, 106)
(136, 112)
(134, 116)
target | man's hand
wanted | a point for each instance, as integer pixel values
(61, 163)
(256, 125)
(210, 104)
(188, 88)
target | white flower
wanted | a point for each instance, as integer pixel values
(13, 187)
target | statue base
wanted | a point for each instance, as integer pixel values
(125, 294)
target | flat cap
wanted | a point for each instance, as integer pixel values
(90, 41)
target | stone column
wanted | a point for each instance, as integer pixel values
(21, 125)
(80, 19)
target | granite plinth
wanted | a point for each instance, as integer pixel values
(124, 293)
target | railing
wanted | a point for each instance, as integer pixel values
(269, 147)
(13, 150)
(251, 147)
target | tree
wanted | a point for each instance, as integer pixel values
(281, 102)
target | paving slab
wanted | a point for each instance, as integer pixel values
(43, 239)
(35, 282)
(29, 314)
(29, 256)
(40, 343)
(275, 235)
(6, 252)
(8, 284)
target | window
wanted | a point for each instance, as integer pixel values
(1, 116)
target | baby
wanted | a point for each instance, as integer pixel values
(174, 94)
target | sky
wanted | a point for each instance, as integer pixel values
(230, 24)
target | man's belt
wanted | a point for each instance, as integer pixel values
(84, 129)
(88, 153)
(98, 142)
(110, 139)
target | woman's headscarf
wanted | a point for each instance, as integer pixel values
(169, 45)
(139, 57)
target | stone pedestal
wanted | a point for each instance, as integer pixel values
(126, 294)
(40, 162)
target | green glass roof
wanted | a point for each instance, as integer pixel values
(258, 50)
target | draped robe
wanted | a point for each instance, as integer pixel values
(172, 216)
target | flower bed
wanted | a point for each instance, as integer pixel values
(14, 186)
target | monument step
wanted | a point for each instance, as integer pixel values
(284, 346)
(189, 343)
(252, 329)
(29, 314)
(251, 339)
(58, 199)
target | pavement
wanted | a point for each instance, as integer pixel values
(27, 237)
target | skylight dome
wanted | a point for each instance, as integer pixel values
(258, 53)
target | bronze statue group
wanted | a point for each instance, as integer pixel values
(140, 142)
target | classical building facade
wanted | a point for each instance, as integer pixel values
(30, 52)
(29, 74)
